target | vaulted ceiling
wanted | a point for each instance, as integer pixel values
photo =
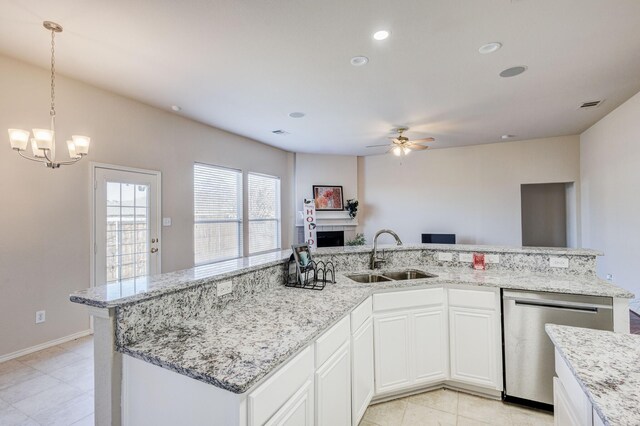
(244, 65)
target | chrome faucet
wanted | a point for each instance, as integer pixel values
(375, 261)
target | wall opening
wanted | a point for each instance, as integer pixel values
(548, 214)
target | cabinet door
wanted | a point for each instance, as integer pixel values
(333, 389)
(297, 411)
(430, 345)
(474, 346)
(392, 352)
(362, 370)
(563, 414)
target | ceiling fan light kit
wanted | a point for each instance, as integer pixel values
(43, 142)
(402, 145)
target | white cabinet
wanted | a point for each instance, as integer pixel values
(392, 352)
(431, 348)
(298, 411)
(411, 346)
(563, 414)
(362, 375)
(333, 389)
(474, 337)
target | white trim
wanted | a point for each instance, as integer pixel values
(45, 345)
(92, 205)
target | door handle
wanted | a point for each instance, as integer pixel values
(154, 250)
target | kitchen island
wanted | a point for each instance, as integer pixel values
(606, 366)
(237, 342)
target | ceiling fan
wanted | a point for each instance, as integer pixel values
(401, 145)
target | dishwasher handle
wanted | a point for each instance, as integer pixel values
(552, 304)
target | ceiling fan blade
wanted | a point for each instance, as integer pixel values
(422, 140)
(376, 146)
(415, 147)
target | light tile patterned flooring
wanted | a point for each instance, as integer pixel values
(50, 387)
(55, 387)
(447, 407)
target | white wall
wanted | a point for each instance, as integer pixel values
(473, 191)
(610, 181)
(44, 214)
(317, 169)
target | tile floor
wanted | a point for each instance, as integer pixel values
(447, 407)
(50, 387)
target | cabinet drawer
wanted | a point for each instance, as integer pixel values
(279, 388)
(581, 406)
(361, 314)
(479, 299)
(408, 299)
(330, 342)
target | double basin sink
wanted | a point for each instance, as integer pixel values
(373, 277)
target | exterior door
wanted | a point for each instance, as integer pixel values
(126, 226)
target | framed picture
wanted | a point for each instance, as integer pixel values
(328, 197)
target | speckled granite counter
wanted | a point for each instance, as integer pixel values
(234, 347)
(607, 366)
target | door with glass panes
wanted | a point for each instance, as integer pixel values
(126, 227)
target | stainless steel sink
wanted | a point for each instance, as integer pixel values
(368, 278)
(410, 274)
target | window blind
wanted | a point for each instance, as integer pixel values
(217, 213)
(264, 212)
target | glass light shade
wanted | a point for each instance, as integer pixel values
(397, 151)
(34, 147)
(19, 139)
(406, 150)
(81, 144)
(72, 150)
(44, 138)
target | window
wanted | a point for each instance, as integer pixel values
(264, 212)
(217, 228)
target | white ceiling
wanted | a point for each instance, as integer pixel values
(243, 65)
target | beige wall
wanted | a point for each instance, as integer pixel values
(44, 214)
(473, 191)
(610, 181)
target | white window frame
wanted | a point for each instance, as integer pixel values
(278, 218)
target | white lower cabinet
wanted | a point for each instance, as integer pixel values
(362, 374)
(298, 411)
(475, 338)
(563, 414)
(410, 343)
(333, 389)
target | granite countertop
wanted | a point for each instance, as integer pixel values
(235, 347)
(133, 290)
(607, 366)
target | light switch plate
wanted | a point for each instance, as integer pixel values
(559, 262)
(41, 316)
(224, 287)
(166, 221)
(466, 257)
(492, 258)
(445, 257)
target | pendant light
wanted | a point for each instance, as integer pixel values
(43, 142)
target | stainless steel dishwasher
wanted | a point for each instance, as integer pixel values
(529, 363)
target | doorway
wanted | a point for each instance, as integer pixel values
(544, 214)
(125, 225)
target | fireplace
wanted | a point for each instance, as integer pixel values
(330, 238)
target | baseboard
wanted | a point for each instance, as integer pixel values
(45, 345)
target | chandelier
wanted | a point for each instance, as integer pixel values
(43, 142)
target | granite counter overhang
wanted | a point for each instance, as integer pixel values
(236, 347)
(135, 290)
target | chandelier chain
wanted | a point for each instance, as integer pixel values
(53, 74)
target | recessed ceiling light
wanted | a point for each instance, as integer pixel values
(490, 47)
(508, 136)
(381, 35)
(513, 71)
(296, 114)
(358, 61)
(176, 108)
